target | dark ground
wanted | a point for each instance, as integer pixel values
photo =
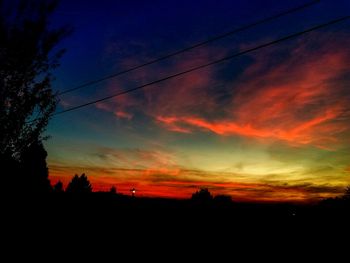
(114, 208)
(114, 225)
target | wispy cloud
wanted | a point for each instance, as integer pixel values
(301, 99)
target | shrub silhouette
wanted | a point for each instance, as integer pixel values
(113, 190)
(79, 185)
(58, 187)
(202, 196)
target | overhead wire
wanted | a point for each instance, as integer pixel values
(267, 44)
(196, 45)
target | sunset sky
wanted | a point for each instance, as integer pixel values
(271, 125)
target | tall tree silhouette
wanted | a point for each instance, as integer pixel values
(26, 64)
(79, 185)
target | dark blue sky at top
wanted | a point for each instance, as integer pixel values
(152, 28)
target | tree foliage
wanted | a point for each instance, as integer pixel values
(30, 174)
(26, 63)
(34, 174)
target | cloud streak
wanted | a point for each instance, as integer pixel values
(301, 100)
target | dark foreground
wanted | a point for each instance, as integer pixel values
(115, 225)
(112, 208)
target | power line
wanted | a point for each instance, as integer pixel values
(212, 39)
(209, 64)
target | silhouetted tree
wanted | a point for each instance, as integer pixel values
(10, 175)
(34, 172)
(202, 196)
(26, 97)
(27, 175)
(58, 187)
(79, 185)
(113, 190)
(26, 63)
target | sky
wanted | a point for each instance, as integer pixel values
(268, 126)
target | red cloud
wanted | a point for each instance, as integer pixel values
(118, 105)
(184, 94)
(298, 100)
(303, 132)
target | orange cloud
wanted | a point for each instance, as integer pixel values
(171, 124)
(299, 100)
(303, 133)
(297, 97)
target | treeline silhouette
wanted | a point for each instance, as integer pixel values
(27, 186)
(28, 180)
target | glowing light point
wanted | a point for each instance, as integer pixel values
(133, 192)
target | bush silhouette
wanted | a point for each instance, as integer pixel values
(79, 185)
(58, 187)
(113, 190)
(202, 196)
